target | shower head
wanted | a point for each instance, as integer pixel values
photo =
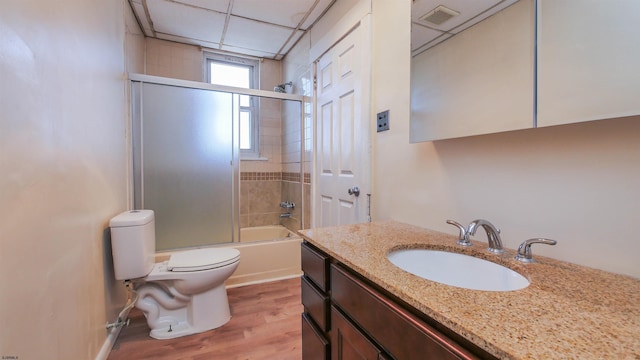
(282, 87)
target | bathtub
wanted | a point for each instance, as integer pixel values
(263, 233)
(262, 259)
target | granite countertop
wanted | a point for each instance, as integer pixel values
(567, 312)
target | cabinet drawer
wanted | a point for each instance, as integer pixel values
(316, 304)
(314, 345)
(315, 266)
(399, 332)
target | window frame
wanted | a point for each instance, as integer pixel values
(254, 107)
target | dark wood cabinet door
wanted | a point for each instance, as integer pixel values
(404, 336)
(348, 343)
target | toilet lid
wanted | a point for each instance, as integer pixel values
(202, 259)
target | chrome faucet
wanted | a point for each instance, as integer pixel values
(493, 234)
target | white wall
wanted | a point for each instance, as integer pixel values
(577, 183)
(63, 165)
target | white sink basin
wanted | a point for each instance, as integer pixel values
(458, 270)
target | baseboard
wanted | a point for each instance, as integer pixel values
(105, 350)
(260, 279)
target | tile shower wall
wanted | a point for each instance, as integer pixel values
(260, 194)
(291, 191)
(297, 137)
(261, 180)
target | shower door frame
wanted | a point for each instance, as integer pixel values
(137, 189)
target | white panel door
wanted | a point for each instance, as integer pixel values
(343, 143)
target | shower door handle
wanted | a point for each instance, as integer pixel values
(354, 191)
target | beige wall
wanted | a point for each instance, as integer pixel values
(135, 44)
(575, 183)
(63, 160)
(173, 60)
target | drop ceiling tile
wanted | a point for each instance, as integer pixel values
(316, 13)
(250, 52)
(203, 43)
(294, 39)
(281, 12)
(485, 15)
(467, 9)
(216, 5)
(254, 35)
(185, 21)
(138, 9)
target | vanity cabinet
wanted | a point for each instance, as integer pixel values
(315, 299)
(366, 323)
(588, 53)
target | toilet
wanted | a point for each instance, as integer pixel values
(181, 296)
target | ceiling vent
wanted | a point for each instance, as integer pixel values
(439, 15)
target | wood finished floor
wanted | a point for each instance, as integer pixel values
(265, 324)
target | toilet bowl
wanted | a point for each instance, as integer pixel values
(181, 296)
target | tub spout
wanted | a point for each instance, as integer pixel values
(285, 215)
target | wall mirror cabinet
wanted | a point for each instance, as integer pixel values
(497, 66)
(588, 60)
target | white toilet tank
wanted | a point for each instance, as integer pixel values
(133, 243)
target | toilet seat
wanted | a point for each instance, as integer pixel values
(202, 259)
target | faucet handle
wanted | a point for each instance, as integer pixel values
(288, 205)
(463, 237)
(524, 250)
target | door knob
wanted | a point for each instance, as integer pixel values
(354, 191)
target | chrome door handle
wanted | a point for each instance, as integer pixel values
(354, 191)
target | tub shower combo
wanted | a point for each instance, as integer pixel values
(187, 168)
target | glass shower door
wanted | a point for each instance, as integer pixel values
(183, 163)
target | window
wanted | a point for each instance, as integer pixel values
(239, 72)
